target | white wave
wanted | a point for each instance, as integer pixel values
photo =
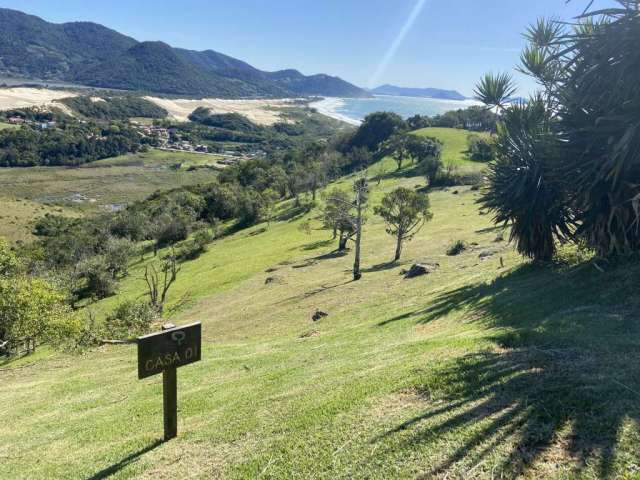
(329, 106)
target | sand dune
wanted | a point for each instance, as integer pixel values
(22, 97)
(262, 112)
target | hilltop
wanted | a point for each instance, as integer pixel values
(488, 367)
(93, 55)
(418, 92)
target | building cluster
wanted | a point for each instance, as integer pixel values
(15, 120)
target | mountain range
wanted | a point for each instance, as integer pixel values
(418, 92)
(93, 55)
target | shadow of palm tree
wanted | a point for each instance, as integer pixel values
(565, 373)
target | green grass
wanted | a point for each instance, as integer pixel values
(99, 185)
(455, 146)
(8, 126)
(474, 371)
(17, 217)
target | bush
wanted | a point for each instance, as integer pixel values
(430, 168)
(456, 248)
(33, 309)
(130, 319)
(480, 149)
(99, 280)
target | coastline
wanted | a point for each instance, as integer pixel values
(327, 107)
(405, 106)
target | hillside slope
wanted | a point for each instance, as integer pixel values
(477, 370)
(94, 55)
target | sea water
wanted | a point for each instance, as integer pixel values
(353, 110)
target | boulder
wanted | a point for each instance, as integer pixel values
(319, 315)
(485, 254)
(419, 269)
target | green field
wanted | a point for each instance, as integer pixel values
(105, 182)
(17, 217)
(7, 126)
(487, 368)
(96, 187)
(455, 146)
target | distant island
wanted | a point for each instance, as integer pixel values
(418, 92)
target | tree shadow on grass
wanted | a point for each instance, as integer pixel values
(381, 267)
(563, 380)
(317, 244)
(128, 460)
(406, 172)
(314, 292)
(293, 213)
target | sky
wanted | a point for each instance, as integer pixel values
(413, 43)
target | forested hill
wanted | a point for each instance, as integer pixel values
(418, 92)
(91, 54)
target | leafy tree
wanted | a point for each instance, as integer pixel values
(418, 121)
(117, 252)
(405, 212)
(376, 129)
(359, 158)
(270, 198)
(480, 149)
(9, 263)
(250, 208)
(398, 147)
(99, 280)
(339, 216)
(130, 319)
(31, 309)
(426, 151)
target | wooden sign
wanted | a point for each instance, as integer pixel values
(164, 352)
(171, 348)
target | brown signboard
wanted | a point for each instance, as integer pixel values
(168, 349)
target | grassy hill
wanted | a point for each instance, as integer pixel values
(489, 367)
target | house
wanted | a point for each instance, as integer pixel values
(16, 120)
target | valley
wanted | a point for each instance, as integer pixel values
(215, 270)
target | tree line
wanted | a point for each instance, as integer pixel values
(68, 143)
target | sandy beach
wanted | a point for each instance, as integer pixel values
(261, 112)
(327, 107)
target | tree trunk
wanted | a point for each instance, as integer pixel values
(357, 275)
(398, 248)
(342, 242)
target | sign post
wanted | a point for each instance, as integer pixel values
(164, 352)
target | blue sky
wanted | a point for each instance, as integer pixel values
(449, 44)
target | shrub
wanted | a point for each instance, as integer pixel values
(99, 280)
(130, 319)
(456, 248)
(480, 149)
(33, 309)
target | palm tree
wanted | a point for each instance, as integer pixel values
(522, 189)
(496, 91)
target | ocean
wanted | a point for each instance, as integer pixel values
(353, 110)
